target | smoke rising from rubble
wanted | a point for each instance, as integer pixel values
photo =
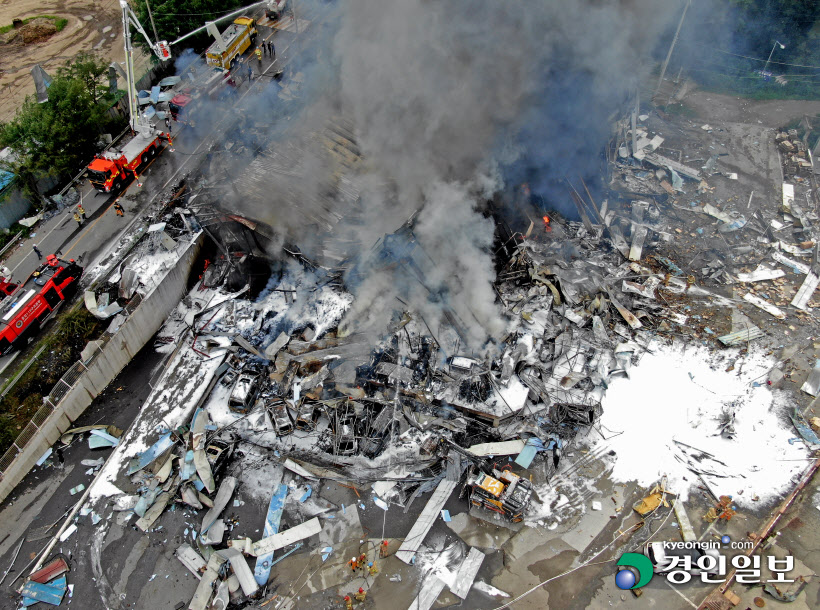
(449, 102)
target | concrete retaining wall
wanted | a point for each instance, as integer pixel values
(101, 370)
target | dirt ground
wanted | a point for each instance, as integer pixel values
(771, 113)
(93, 25)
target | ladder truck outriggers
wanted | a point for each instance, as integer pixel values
(110, 170)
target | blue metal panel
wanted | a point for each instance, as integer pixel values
(533, 446)
(804, 429)
(188, 466)
(277, 504)
(52, 593)
(105, 436)
(152, 453)
(146, 500)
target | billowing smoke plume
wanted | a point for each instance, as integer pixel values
(450, 101)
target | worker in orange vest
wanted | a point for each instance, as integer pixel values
(354, 565)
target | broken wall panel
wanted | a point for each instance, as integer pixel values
(418, 532)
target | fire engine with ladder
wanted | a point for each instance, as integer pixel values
(110, 170)
(25, 310)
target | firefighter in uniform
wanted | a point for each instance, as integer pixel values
(259, 56)
(361, 595)
(383, 549)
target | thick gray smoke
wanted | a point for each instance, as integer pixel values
(448, 100)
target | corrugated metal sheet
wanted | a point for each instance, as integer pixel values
(51, 571)
(51, 594)
(741, 336)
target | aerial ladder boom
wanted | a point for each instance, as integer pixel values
(160, 49)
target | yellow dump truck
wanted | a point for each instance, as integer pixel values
(231, 43)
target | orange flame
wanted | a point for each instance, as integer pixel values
(546, 220)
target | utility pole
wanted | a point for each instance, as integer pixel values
(672, 47)
(634, 121)
(151, 18)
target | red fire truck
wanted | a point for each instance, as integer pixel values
(27, 308)
(109, 171)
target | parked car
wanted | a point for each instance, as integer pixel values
(281, 418)
(344, 441)
(244, 393)
(219, 454)
(306, 416)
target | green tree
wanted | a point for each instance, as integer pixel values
(91, 70)
(175, 18)
(59, 136)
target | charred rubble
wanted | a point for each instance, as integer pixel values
(583, 293)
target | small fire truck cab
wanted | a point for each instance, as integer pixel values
(24, 312)
(7, 288)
